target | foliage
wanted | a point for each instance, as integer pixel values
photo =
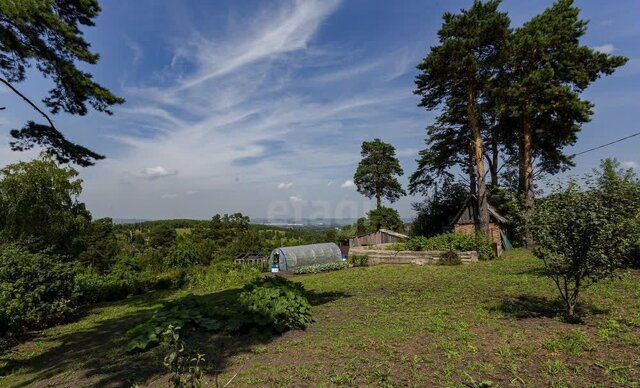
(162, 236)
(321, 267)
(454, 241)
(92, 287)
(39, 203)
(377, 171)
(222, 275)
(611, 178)
(36, 290)
(358, 260)
(439, 207)
(387, 218)
(273, 303)
(100, 245)
(182, 255)
(583, 235)
(49, 35)
(539, 90)
(185, 368)
(190, 312)
(267, 303)
(457, 76)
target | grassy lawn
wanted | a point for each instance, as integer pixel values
(382, 326)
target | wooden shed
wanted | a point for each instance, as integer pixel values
(466, 221)
(382, 236)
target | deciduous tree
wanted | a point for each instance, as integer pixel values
(39, 203)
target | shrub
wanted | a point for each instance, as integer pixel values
(454, 241)
(182, 256)
(94, 288)
(36, 290)
(583, 235)
(396, 247)
(190, 312)
(322, 267)
(358, 260)
(275, 303)
(271, 303)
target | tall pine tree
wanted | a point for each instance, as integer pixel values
(457, 76)
(377, 171)
(540, 90)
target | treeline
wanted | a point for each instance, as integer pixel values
(55, 258)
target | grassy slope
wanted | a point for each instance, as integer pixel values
(385, 325)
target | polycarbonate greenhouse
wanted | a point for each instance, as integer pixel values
(290, 258)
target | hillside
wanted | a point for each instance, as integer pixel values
(386, 325)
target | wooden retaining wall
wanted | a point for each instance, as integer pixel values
(379, 255)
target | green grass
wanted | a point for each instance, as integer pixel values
(494, 322)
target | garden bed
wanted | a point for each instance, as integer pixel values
(379, 254)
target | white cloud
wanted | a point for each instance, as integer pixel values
(348, 184)
(295, 199)
(605, 48)
(169, 196)
(192, 192)
(261, 126)
(275, 34)
(631, 164)
(157, 172)
(135, 49)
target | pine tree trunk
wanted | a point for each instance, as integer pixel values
(478, 158)
(526, 174)
(378, 201)
(493, 166)
(473, 187)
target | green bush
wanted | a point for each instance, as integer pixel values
(275, 303)
(358, 260)
(190, 312)
(95, 288)
(182, 256)
(36, 290)
(396, 247)
(322, 267)
(92, 288)
(270, 303)
(454, 241)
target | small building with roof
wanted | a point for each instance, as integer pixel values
(466, 221)
(381, 236)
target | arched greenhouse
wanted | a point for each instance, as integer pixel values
(290, 258)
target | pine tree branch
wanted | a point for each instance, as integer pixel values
(33, 105)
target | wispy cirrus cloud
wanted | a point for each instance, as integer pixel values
(244, 116)
(289, 29)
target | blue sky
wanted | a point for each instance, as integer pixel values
(261, 107)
